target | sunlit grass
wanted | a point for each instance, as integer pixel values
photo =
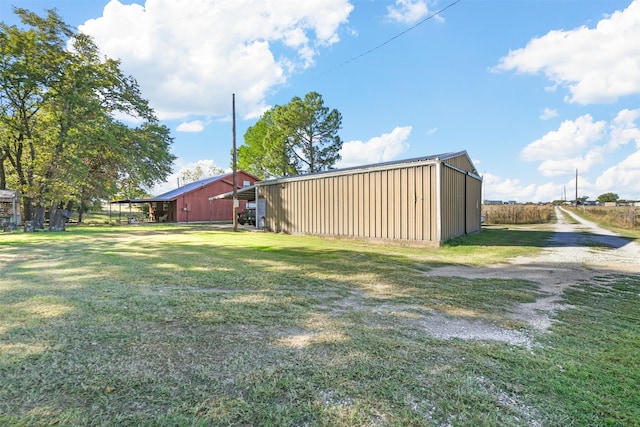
(192, 325)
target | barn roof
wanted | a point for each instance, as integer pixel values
(187, 188)
(384, 165)
(177, 192)
(248, 193)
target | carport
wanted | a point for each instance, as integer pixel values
(130, 217)
(249, 194)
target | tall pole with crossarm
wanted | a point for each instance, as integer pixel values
(235, 172)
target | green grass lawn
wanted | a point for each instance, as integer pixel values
(189, 325)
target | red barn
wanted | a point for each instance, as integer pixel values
(190, 203)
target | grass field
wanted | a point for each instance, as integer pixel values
(189, 325)
(518, 214)
(620, 217)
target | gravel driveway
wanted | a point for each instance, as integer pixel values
(576, 252)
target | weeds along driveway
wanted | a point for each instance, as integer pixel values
(579, 251)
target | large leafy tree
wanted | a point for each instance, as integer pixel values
(608, 197)
(60, 142)
(300, 137)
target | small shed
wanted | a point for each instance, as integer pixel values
(9, 209)
(190, 202)
(426, 200)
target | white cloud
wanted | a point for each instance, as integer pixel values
(570, 139)
(189, 57)
(193, 126)
(623, 178)
(598, 65)
(581, 144)
(408, 11)
(568, 166)
(504, 189)
(549, 113)
(624, 129)
(383, 148)
(547, 192)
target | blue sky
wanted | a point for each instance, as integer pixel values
(531, 89)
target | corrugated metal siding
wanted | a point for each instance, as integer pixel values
(394, 204)
(474, 195)
(460, 203)
(461, 162)
(452, 203)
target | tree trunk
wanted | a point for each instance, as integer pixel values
(38, 218)
(3, 173)
(27, 208)
(81, 210)
(58, 218)
(33, 221)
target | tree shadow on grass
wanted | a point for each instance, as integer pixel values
(141, 332)
(95, 330)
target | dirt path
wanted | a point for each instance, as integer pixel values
(576, 252)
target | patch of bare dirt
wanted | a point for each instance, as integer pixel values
(576, 253)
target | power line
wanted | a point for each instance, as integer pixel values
(433, 15)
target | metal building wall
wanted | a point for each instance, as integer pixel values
(388, 204)
(452, 203)
(461, 193)
(474, 204)
(462, 163)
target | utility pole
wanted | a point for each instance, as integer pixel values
(576, 188)
(235, 172)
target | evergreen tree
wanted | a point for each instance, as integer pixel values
(300, 137)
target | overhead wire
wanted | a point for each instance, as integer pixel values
(433, 15)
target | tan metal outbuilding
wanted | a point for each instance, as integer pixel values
(426, 200)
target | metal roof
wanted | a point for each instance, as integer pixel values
(170, 195)
(384, 165)
(245, 193)
(8, 195)
(174, 194)
(248, 193)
